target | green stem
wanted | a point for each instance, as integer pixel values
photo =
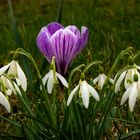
(21, 51)
(105, 112)
(92, 121)
(121, 55)
(91, 64)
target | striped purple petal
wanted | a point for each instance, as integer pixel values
(82, 41)
(44, 43)
(53, 27)
(64, 42)
(75, 30)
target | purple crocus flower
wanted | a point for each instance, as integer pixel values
(63, 43)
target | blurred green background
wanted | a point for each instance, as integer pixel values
(113, 25)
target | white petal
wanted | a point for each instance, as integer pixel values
(101, 81)
(103, 76)
(4, 68)
(6, 82)
(95, 80)
(93, 92)
(8, 92)
(126, 95)
(46, 77)
(71, 95)
(62, 79)
(4, 101)
(21, 77)
(111, 81)
(9, 84)
(13, 68)
(137, 67)
(138, 87)
(85, 93)
(50, 82)
(133, 96)
(136, 72)
(18, 81)
(129, 78)
(119, 81)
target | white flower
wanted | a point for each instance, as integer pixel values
(132, 92)
(4, 101)
(85, 90)
(49, 78)
(127, 76)
(100, 80)
(15, 70)
(9, 86)
(4, 68)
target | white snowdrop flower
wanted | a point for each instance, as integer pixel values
(100, 80)
(15, 70)
(50, 79)
(5, 85)
(127, 76)
(85, 90)
(9, 86)
(132, 92)
(20, 77)
(4, 102)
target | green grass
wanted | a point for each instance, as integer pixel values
(105, 19)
